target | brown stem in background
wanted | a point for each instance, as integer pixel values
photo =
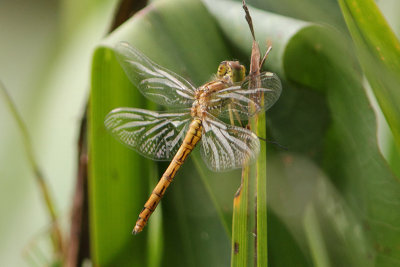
(79, 246)
(126, 9)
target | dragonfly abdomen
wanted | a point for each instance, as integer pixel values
(192, 137)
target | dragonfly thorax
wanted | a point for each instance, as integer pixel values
(204, 94)
(229, 72)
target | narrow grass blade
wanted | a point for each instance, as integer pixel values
(259, 177)
(378, 51)
(262, 236)
(240, 228)
(45, 191)
(259, 126)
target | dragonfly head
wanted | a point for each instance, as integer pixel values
(233, 71)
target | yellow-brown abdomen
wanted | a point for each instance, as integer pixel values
(192, 137)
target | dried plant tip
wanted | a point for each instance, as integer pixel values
(248, 18)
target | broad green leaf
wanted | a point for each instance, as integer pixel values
(172, 34)
(332, 167)
(324, 115)
(114, 192)
(318, 11)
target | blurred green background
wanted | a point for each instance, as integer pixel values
(46, 49)
(50, 61)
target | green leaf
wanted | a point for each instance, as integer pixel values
(378, 50)
(115, 190)
(332, 166)
(350, 157)
(323, 115)
(172, 34)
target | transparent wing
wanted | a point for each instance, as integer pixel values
(226, 147)
(155, 135)
(155, 82)
(238, 99)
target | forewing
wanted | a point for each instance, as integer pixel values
(240, 101)
(155, 135)
(155, 82)
(226, 147)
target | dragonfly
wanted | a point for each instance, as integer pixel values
(199, 117)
